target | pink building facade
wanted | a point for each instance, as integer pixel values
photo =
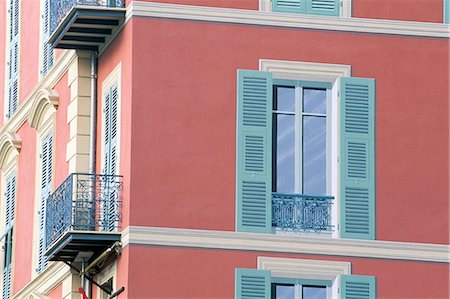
(225, 149)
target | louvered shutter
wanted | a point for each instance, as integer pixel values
(46, 182)
(358, 287)
(10, 196)
(13, 69)
(447, 11)
(291, 6)
(252, 284)
(357, 158)
(47, 50)
(254, 152)
(323, 7)
(111, 155)
(6, 282)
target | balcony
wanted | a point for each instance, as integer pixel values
(84, 24)
(301, 213)
(83, 214)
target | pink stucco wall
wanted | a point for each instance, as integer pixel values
(199, 273)
(184, 105)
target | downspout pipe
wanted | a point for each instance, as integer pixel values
(92, 149)
(93, 126)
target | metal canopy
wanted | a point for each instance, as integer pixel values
(87, 28)
(72, 242)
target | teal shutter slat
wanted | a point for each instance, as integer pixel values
(291, 6)
(357, 158)
(358, 287)
(46, 182)
(323, 7)
(252, 284)
(254, 152)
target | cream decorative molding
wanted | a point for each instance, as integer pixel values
(42, 99)
(8, 142)
(139, 235)
(275, 19)
(48, 81)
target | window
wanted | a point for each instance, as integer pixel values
(46, 156)
(341, 8)
(12, 68)
(300, 138)
(289, 141)
(447, 11)
(46, 50)
(251, 283)
(111, 145)
(8, 231)
(285, 288)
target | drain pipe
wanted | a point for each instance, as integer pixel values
(93, 127)
(92, 151)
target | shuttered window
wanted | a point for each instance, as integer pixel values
(10, 200)
(313, 7)
(111, 153)
(47, 50)
(447, 11)
(252, 284)
(46, 185)
(254, 155)
(13, 58)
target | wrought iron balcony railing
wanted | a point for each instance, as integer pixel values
(88, 202)
(300, 212)
(60, 8)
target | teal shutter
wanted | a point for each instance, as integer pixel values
(358, 287)
(447, 11)
(357, 158)
(254, 152)
(13, 68)
(47, 50)
(291, 6)
(10, 199)
(111, 129)
(46, 182)
(323, 7)
(252, 284)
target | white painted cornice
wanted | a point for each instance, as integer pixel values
(276, 19)
(138, 235)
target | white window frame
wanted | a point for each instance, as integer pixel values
(318, 72)
(345, 10)
(307, 269)
(104, 276)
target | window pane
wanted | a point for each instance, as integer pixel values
(314, 155)
(284, 291)
(284, 153)
(314, 292)
(285, 99)
(315, 100)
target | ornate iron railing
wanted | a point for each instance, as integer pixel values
(60, 8)
(300, 212)
(88, 202)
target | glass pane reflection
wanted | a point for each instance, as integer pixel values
(315, 101)
(285, 151)
(310, 292)
(285, 100)
(284, 291)
(314, 155)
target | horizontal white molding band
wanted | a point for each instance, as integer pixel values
(175, 237)
(275, 19)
